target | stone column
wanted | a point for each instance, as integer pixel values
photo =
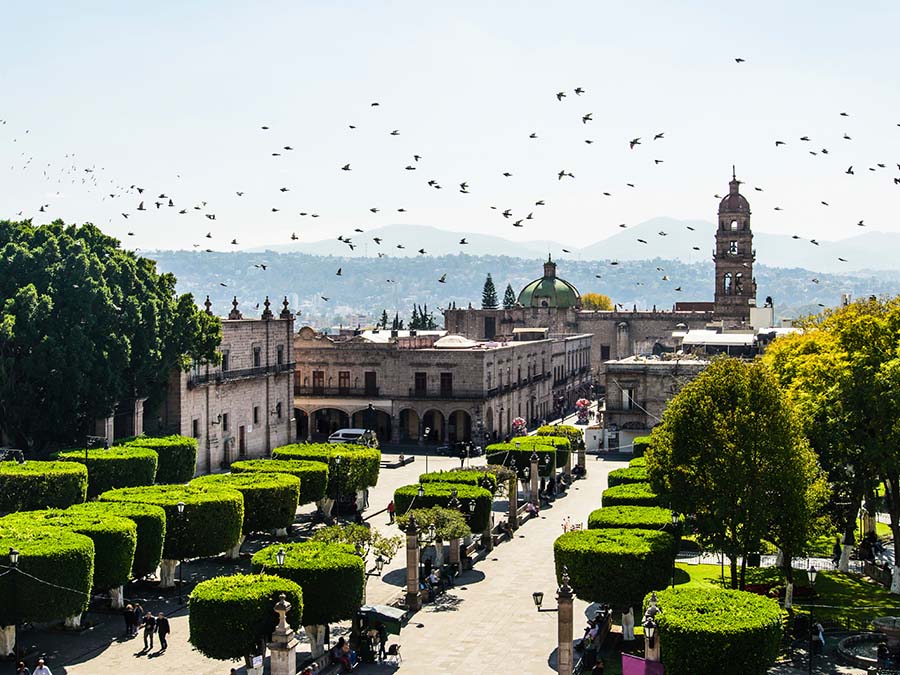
(513, 489)
(568, 469)
(105, 428)
(283, 648)
(581, 457)
(564, 596)
(138, 416)
(534, 479)
(413, 598)
(454, 554)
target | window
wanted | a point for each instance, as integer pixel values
(225, 360)
(279, 355)
(421, 383)
(318, 382)
(278, 410)
(446, 384)
(490, 327)
(732, 248)
(257, 357)
(734, 225)
(628, 399)
(519, 375)
(726, 283)
(344, 382)
(371, 383)
(195, 428)
(739, 283)
(256, 414)
(225, 422)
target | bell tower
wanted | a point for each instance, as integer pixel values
(734, 256)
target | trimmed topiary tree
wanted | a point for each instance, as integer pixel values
(41, 485)
(634, 517)
(574, 434)
(332, 576)
(561, 443)
(712, 630)
(640, 445)
(439, 494)
(358, 468)
(630, 494)
(474, 477)
(618, 566)
(62, 558)
(210, 525)
(177, 457)
(506, 454)
(630, 474)
(115, 467)
(313, 475)
(233, 617)
(151, 530)
(638, 461)
(270, 499)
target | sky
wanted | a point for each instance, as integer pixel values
(171, 97)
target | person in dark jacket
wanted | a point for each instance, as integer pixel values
(162, 629)
(149, 629)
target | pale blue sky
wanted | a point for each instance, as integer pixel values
(154, 91)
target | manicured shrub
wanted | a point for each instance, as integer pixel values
(439, 494)
(116, 467)
(561, 443)
(475, 477)
(151, 529)
(714, 630)
(618, 566)
(62, 558)
(313, 475)
(332, 576)
(638, 461)
(506, 454)
(639, 517)
(631, 474)
(574, 434)
(358, 469)
(114, 540)
(177, 457)
(229, 616)
(640, 445)
(270, 499)
(211, 522)
(630, 494)
(41, 485)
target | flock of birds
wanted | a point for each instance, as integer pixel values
(137, 200)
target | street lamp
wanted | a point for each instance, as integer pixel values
(675, 520)
(425, 443)
(650, 626)
(811, 575)
(14, 564)
(420, 491)
(337, 478)
(279, 557)
(181, 562)
(538, 596)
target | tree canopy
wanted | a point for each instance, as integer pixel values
(509, 297)
(489, 294)
(596, 301)
(85, 324)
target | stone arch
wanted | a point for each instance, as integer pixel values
(489, 421)
(382, 422)
(435, 422)
(326, 420)
(410, 424)
(727, 283)
(459, 426)
(301, 419)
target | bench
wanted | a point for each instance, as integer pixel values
(325, 665)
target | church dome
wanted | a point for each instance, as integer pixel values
(550, 291)
(734, 201)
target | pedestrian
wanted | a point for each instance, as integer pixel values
(163, 628)
(836, 551)
(128, 614)
(42, 669)
(149, 629)
(391, 508)
(137, 618)
(22, 669)
(382, 642)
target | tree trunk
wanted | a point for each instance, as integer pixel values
(628, 624)
(846, 549)
(789, 581)
(325, 506)
(7, 639)
(743, 570)
(732, 562)
(73, 622)
(438, 553)
(316, 635)
(235, 552)
(779, 558)
(117, 597)
(167, 573)
(281, 531)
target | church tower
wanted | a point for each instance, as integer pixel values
(734, 256)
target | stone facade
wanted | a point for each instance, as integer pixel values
(241, 408)
(462, 391)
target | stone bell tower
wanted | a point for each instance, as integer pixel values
(734, 255)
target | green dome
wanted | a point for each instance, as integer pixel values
(550, 291)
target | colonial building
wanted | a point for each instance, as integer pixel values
(241, 408)
(431, 385)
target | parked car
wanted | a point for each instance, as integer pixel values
(358, 436)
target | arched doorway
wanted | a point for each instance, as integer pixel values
(433, 420)
(409, 425)
(459, 426)
(328, 420)
(301, 420)
(382, 423)
(489, 421)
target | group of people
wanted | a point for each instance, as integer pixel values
(41, 669)
(591, 643)
(341, 653)
(136, 619)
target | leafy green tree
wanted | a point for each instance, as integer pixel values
(489, 294)
(509, 298)
(367, 539)
(85, 324)
(729, 451)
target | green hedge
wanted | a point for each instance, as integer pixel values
(116, 467)
(505, 454)
(638, 461)
(270, 499)
(561, 443)
(332, 576)
(177, 457)
(41, 485)
(313, 475)
(713, 630)
(574, 434)
(211, 522)
(640, 445)
(228, 616)
(639, 517)
(65, 559)
(114, 540)
(439, 494)
(474, 477)
(151, 530)
(630, 494)
(618, 566)
(358, 469)
(631, 474)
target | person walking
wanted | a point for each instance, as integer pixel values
(163, 629)
(22, 669)
(138, 617)
(42, 669)
(149, 629)
(390, 509)
(382, 642)
(128, 615)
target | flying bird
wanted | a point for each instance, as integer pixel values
(850, 170)
(587, 118)
(560, 95)
(739, 60)
(579, 91)
(633, 142)
(443, 279)
(777, 143)
(659, 135)
(463, 241)
(346, 167)
(339, 271)
(532, 135)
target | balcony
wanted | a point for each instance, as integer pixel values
(219, 377)
(336, 392)
(451, 394)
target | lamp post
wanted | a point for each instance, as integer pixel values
(279, 557)
(14, 564)
(337, 478)
(425, 443)
(534, 479)
(811, 574)
(181, 561)
(675, 520)
(564, 596)
(650, 626)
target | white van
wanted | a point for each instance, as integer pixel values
(358, 436)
